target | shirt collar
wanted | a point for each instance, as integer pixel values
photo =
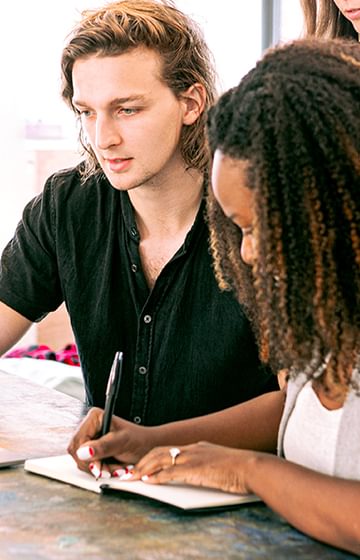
(130, 222)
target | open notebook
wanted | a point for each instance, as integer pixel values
(190, 498)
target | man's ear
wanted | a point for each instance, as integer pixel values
(194, 100)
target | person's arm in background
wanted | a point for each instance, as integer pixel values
(12, 327)
(250, 425)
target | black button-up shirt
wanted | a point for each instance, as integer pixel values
(188, 349)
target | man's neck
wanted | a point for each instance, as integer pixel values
(169, 208)
(164, 215)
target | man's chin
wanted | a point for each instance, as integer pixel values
(122, 183)
(117, 182)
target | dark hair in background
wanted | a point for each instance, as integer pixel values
(295, 117)
(122, 26)
(324, 19)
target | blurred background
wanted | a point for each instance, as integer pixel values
(38, 134)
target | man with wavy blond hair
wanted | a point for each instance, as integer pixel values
(121, 238)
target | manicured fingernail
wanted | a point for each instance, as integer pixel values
(95, 471)
(118, 472)
(145, 478)
(84, 453)
(129, 468)
(126, 476)
(105, 474)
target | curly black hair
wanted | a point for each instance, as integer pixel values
(295, 118)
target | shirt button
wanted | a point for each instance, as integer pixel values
(133, 231)
(147, 319)
(142, 370)
(137, 419)
(134, 268)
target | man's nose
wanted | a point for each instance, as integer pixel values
(107, 133)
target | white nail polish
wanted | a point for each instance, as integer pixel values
(130, 467)
(126, 476)
(85, 453)
(95, 472)
(118, 473)
(145, 478)
(105, 474)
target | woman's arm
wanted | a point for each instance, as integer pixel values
(252, 425)
(324, 507)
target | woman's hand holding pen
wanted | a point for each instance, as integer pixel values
(103, 443)
(125, 443)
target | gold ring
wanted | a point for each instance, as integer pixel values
(174, 452)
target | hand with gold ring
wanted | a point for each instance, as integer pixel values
(199, 464)
(174, 452)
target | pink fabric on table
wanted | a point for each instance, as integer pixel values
(67, 355)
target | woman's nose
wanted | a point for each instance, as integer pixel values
(247, 249)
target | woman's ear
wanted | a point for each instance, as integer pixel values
(194, 100)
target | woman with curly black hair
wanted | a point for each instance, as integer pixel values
(286, 202)
(332, 18)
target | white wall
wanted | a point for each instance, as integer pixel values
(31, 40)
(291, 20)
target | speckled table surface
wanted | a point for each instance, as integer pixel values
(42, 519)
(35, 420)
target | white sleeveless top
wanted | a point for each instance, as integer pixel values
(311, 434)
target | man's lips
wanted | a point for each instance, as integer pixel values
(118, 164)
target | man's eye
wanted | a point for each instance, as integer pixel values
(83, 112)
(128, 111)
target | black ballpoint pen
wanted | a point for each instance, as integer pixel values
(112, 390)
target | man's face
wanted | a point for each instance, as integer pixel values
(131, 119)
